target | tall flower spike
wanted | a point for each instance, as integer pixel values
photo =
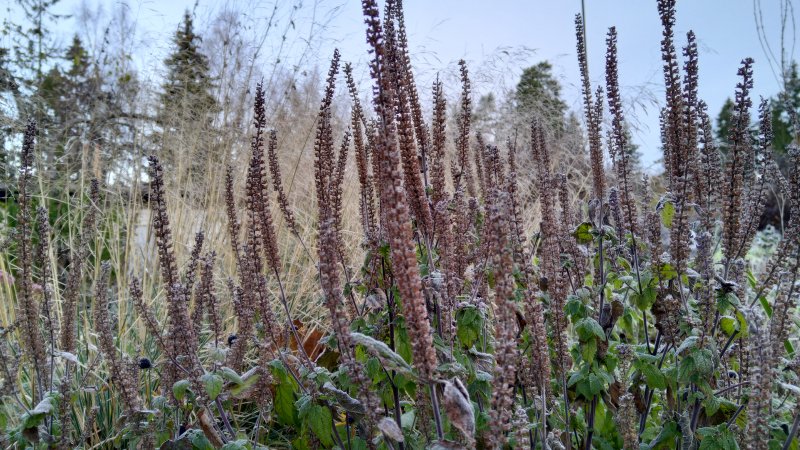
(258, 199)
(329, 176)
(323, 145)
(684, 155)
(787, 255)
(709, 176)
(230, 210)
(461, 167)
(619, 143)
(194, 259)
(438, 147)
(161, 226)
(122, 375)
(420, 129)
(367, 194)
(506, 358)
(78, 259)
(757, 188)
(550, 274)
(757, 430)
(48, 313)
(210, 299)
(673, 128)
(517, 231)
(479, 155)
(191, 276)
(146, 314)
(412, 172)
(29, 314)
(393, 200)
(337, 181)
(277, 183)
(180, 336)
(592, 113)
(740, 151)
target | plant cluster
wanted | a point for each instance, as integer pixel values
(625, 321)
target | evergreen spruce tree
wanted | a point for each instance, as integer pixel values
(188, 84)
(539, 93)
(187, 103)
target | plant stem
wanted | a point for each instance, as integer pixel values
(590, 425)
(436, 415)
(792, 432)
(225, 420)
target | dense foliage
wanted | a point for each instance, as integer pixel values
(632, 318)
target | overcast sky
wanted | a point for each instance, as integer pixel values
(491, 36)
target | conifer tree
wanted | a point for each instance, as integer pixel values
(188, 107)
(187, 88)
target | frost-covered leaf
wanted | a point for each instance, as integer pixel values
(388, 358)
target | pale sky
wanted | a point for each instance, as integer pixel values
(441, 32)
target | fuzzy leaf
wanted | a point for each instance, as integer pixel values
(212, 383)
(241, 444)
(68, 356)
(318, 418)
(588, 327)
(231, 375)
(583, 233)
(729, 325)
(33, 418)
(344, 399)
(284, 394)
(179, 389)
(389, 428)
(717, 438)
(646, 299)
(388, 358)
(458, 406)
(667, 213)
(653, 376)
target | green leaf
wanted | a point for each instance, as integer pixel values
(247, 382)
(711, 405)
(587, 328)
(179, 389)
(717, 438)
(588, 350)
(32, 418)
(231, 375)
(319, 420)
(590, 386)
(583, 233)
(468, 325)
(667, 272)
(667, 213)
(765, 304)
(704, 362)
(729, 325)
(402, 341)
(666, 437)
(284, 394)
(697, 366)
(653, 376)
(646, 299)
(241, 444)
(575, 308)
(688, 343)
(390, 359)
(199, 441)
(212, 383)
